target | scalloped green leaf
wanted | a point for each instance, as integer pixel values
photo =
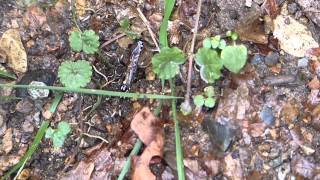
(234, 57)
(210, 102)
(206, 43)
(64, 127)
(86, 41)
(75, 74)
(75, 40)
(90, 42)
(198, 100)
(166, 63)
(209, 91)
(210, 64)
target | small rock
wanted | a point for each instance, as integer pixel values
(272, 59)
(279, 80)
(24, 106)
(45, 76)
(292, 8)
(38, 93)
(303, 62)
(11, 44)
(257, 59)
(267, 115)
(7, 143)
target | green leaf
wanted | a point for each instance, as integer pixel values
(125, 24)
(58, 140)
(206, 43)
(209, 91)
(64, 127)
(234, 57)
(75, 41)
(198, 100)
(168, 7)
(87, 41)
(49, 133)
(222, 44)
(215, 41)
(75, 74)
(166, 63)
(5, 74)
(90, 41)
(210, 64)
(210, 102)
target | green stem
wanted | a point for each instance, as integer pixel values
(95, 92)
(163, 38)
(179, 153)
(36, 142)
(127, 165)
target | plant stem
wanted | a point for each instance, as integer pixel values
(179, 153)
(190, 59)
(127, 165)
(95, 92)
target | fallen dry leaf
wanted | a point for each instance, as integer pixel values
(11, 44)
(7, 143)
(82, 172)
(80, 7)
(252, 29)
(34, 17)
(294, 37)
(314, 83)
(233, 168)
(272, 8)
(144, 124)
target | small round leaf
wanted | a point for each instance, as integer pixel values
(210, 102)
(198, 100)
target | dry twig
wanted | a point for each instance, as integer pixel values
(147, 24)
(191, 55)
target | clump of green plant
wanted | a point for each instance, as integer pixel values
(75, 74)
(126, 28)
(58, 135)
(206, 99)
(86, 41)
(216, 54)
(166, 63)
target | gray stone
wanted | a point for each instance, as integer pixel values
(303, 62)
(272, 59)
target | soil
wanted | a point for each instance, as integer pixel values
(265, 124)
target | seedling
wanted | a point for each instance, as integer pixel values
(58, 135)
(207, 98)
(125, 27)
(87, 41)
(215, 54)
(75, 74)
(166, 63)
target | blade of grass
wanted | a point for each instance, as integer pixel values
(7, 75)
(179, 154)
(36, 142)
(127, 165)
(163, 34)
(95, 92)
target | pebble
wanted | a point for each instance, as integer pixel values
(303, 62)
(279, 80)
(38, 93)
(45, 76)
(257, 59)
(272, 59)
(267, 116)
(292, 8)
